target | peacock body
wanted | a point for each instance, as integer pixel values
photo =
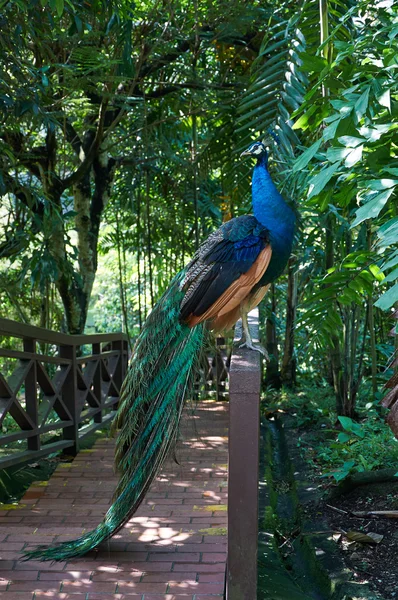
(227, 277)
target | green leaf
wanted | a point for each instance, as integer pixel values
(346, 423)
(385, 99)
(306, 156)
(337, 154)
(391, 262)
(60, 7)
(371, 209)
(393, 276)
(330, 131)
(350, 141)
(361, 104)
(343, 437)
(388, 299)
(381, 184)
(376, 272)
(354, 156)
(318, 182)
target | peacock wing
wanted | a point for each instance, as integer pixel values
(225, 269)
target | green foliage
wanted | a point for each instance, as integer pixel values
(359, 447)
(351, 164)
(335, 449)
(312, 405)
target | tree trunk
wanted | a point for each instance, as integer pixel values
(272, 376)
(335, 346)
(289, 363)
(75, 287)
(149, 237)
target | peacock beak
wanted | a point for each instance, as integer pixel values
(246, 152)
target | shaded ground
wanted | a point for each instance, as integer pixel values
(14, 481)
(377, 564)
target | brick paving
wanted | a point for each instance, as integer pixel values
(173, 548)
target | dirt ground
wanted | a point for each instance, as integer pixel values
(378, 563)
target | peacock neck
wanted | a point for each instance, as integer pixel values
(269, 207)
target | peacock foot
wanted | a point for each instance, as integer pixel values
(257, 347)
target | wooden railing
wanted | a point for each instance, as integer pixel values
(50, 388)
(243, 467)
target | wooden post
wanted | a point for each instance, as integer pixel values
(31, 400)
(70, 398)
(96, 349)
(243, 468)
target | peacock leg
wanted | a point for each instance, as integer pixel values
(248, 343)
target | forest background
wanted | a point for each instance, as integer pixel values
(121, 129)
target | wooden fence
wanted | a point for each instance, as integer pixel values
(54, 393)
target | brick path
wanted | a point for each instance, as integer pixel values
(173, 548)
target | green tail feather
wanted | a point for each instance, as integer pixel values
(152, 399)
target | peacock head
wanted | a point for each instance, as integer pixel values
(257, 149)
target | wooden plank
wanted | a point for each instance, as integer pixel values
(6, 353)
(21, 330)
(96, 355)
(8, 438)
(30, 455)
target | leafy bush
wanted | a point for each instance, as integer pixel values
(359, 447)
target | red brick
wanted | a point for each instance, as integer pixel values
(6, 565)
(19, 596)
(94, 596)
(215, 539)
(198, 588)
(176, 557)
(149, 567)
(32, 565)
(32, 586)
(11, 546)
(124, 556)
(175, 577)
(199, 568)
(63, 575)
(201, 547)
(118, 576)
(214, 557)
(19, 575)
(60, 596)
(9, 555)
(167, 597)
(89, 586)
(133, 587)
(212, 577)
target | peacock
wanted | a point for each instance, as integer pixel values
(227, 277)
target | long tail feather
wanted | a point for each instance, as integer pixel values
(152, 399)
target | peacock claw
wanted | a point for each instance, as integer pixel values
(256, 347)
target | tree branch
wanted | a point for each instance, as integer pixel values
(90, 155)
(19, 240)
(160, 92)
(72, 137)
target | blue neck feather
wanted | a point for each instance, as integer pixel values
(269, 207)
(277, 217)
